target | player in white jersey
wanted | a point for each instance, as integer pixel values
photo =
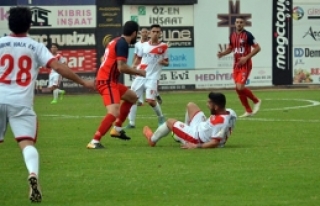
(152, 56)
(198, 131)
(20, 59)
(55, 77)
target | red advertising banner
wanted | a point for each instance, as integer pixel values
(79, 60)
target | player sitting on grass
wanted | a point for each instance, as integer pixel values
(198, 131)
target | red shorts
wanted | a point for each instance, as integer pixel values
(111, 93)
(241, 73)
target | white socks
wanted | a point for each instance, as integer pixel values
(55, 94)
(132, 115)
(186, 118)
(162, 131)
(157, 110)
(31, 158)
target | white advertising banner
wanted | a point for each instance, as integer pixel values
(306, 41)
(207, 78)
(52, 17)
(164, 15)
(4, 17)
(214, 22)
(306, 12)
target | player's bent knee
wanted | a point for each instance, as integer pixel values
(170, 122)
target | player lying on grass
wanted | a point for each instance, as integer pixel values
(198, 131)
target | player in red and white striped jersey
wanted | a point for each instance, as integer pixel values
(20, 60)
(198, 131)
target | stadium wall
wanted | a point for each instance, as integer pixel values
(287, 31)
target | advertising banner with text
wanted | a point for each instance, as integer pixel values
(109, 14)
(179, 58)
(53, 17)
(66, 38)
(214, 37)
(172, 15)
(306, 41)
(54, 2)
(206, 79)
(77, 45)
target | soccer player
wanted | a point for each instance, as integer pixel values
(241, 42)
(54, 77)
(20, 59)
(111, 90)
(152, 56)
(198, 131)
(144, 38)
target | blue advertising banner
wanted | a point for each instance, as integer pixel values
(179, 58)
(8, 2)
(52, 2)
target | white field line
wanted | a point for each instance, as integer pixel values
(312, 103)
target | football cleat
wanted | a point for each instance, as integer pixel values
(63, 92)
(247, 114)
(256, 107)
(97, 145)
(120, 135)
(139, 104)
(147, 132)
(54, 102)
(129, 126)
(35, 193)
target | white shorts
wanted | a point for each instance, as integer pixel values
(22, 120)
(189, 133)
(148, 85)
(54, 79)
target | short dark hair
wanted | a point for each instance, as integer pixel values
(218, 99)
(130, 27)
(55, 44)
(20, 19)
(155, 26)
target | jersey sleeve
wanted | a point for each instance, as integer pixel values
(251, 40)
(136, 48)
(165, 53)
(218, 127)
(44, 56)
(122, 50)
(140, 50)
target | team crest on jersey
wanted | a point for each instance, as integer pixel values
(181, 125)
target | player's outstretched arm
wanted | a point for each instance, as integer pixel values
(124, 68)
(225, 52)
(212, 144)
(66, 72)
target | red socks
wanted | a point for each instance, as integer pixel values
(104, 126)
(248, 93)
(124, 111)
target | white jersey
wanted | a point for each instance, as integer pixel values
(151, 55)
(217, 127)
(20, 60)
(137, 47)
(60, 59)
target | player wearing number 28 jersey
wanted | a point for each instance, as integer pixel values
(20, 59)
